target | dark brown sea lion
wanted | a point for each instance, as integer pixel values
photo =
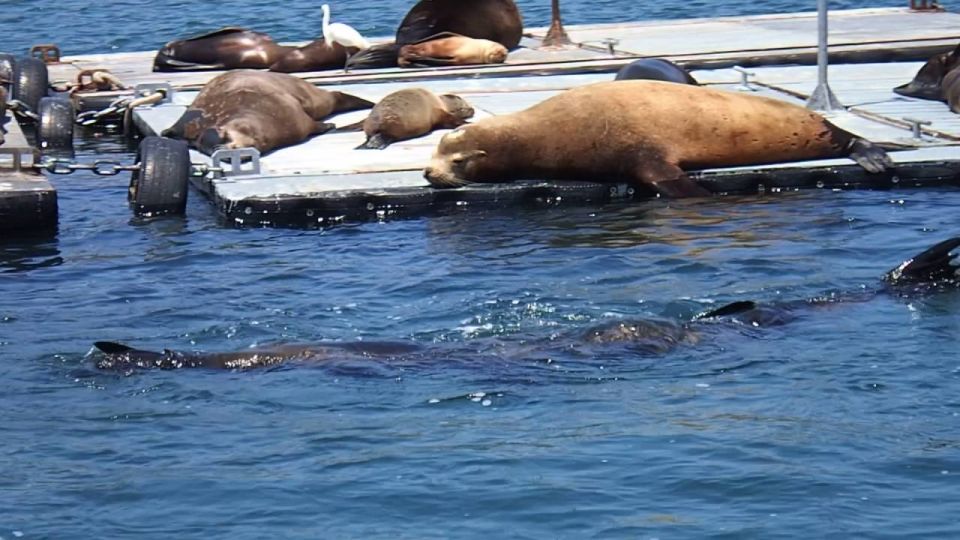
(259, 109)
(654, 69)
(410, 113)
(643, 132)
(449, 49)
(927, 84)
(496, 20)
(951, 89)
(315, 56)
(227, 48)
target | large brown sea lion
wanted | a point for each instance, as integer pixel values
(410, 113)
(494, 20)
(259, 109)
(951, 89)
(928, 82)
(315, 56)
(227, 48)
(451, 50)
(643, 132)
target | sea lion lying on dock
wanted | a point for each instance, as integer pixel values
(227, 48)
(643, 132)
(259, 109)
(410, 113)
(494, 20)
(931, 271)
(449, 49)
(655, 69)
(938, 80)
(315, 56)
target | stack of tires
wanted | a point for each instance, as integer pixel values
(26, 80)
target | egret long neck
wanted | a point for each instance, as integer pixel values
(326, 23)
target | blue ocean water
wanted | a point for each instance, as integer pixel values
(844, 423)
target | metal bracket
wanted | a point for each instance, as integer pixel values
(234, 160)
(17, 158)
(147, 89)
(916, 126)
(745, 79)
(611, 44)
(48, 52)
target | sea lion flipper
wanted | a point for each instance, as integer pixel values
(669, 180)
(320, 128)
(178, 129)
(356, 126)
(732, 308)
(869, 156)
(378, 56)
(348, 102)
(377, 141)
(935, 263)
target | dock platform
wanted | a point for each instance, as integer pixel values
(325, 180)
(28, 202)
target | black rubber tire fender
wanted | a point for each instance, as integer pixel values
(30, 82)
(55, 128)
(159, 186)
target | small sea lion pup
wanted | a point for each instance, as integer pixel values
(227, 48)
(643, 132)
(259, 109)
(410, 113)
(654, 69)
(929, 81)
(448, 49)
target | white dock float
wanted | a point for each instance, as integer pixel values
(325, 180)
(28, 202)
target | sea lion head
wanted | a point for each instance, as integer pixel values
(458, 159)
(494, 53)
(457, 106)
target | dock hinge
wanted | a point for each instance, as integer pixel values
(237, 162)
(148, 89)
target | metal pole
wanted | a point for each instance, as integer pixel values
(822, 98)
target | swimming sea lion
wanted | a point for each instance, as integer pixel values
(410, 113)
(315, 56)
(449, 49)
(122, 357)
(927, 84)
(931, 271)
(259, 109)
(227, 48)
(655, 69)
(643, 132)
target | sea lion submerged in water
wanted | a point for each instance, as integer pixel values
(410, 113)
(655, 69)
(643, 132)
(315, 56)
(929, 81)
(259, 109)
(449, 49)
(227, 48)
(933, 270)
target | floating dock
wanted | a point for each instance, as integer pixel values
(325, 180)
(28, 202)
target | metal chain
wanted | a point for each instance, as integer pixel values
(107, 167)
(22, 109)
(115, 110)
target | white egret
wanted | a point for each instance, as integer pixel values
(341, 33)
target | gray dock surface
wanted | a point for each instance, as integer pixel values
(28, 202)
(326, 180)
